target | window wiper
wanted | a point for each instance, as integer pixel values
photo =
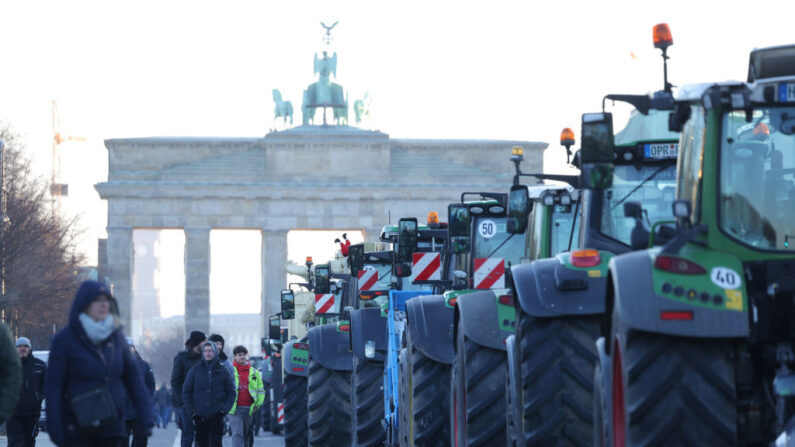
(500, 246)
(648, 179)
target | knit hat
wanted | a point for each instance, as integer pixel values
(217, 338)
(22, 341)
(195, 338)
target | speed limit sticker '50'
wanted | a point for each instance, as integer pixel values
(725, 278)
(487, 228)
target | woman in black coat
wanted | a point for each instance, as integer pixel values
(208, 395)
(91, 354)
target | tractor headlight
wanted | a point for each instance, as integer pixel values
(369, 349)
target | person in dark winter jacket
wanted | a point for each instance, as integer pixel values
(222, 357)
(10, 374)
(163, 404)
(139, 438)
(22, 426)
(90, 354)
(183, 362)
(208, 395)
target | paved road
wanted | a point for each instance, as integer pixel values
(170, 438)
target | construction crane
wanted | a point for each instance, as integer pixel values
(58, 189)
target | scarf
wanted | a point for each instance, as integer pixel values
(97, 331)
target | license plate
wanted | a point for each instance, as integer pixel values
(786, 92)
(666, 150)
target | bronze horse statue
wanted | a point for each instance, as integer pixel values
(283, 109)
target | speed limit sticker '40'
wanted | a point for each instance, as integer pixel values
(725, 278)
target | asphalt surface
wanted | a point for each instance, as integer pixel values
(170, 438)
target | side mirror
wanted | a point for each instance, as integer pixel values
(678, 118)
(266, 346)
(633, 210)
(401, 270)
(356, 258)
(597, 176)
(322, 282)
(274, 327)
(458, 220)
(519, 207)
(288, 304)
(407, 238)
(597, 138)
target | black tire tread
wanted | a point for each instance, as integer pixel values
(296, 417)
(368, 402)
(679, 391)
(329, 406)
(430, 400)
(557, 359)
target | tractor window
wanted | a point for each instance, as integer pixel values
(653, 185)
(691, 149)
(757, 177)
(562, 220)
(491, 240)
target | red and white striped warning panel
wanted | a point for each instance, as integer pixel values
(324, 302)
(489, 273)
(281, 413)
(426, 267)
(367, 279)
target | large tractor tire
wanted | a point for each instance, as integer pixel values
(404, 401)
(429, 407)
(672, 391)
(557, 357)
(477, 395)
(329, 405)
(367, 398)
(296, 417)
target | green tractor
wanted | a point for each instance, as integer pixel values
(698, 335)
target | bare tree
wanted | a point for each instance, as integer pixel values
(38, 257)
(159, 348)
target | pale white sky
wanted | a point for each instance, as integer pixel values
(444, 69)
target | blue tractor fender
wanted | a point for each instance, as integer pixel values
(636, 303)
(548, 288)
(296, 361)
(369, 324)
(430, 327)
(331, 347)
(476, 315)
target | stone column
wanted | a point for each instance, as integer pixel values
(274, 273)
(120, 270)
(197, 279)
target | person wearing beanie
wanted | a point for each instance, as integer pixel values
(208, 395)
(22, 426)
(222, 357)
(88, 355)
(10, 374)
(134, 430)
(183, 362)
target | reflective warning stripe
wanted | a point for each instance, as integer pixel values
(280, 417)
(367, 279)
(323, 302)
(426, 267)
(489, 273)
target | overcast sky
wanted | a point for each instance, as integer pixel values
(499, 70)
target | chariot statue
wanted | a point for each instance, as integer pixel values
(283, 109)
(361, 108)
(324, 93)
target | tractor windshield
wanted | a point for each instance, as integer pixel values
(493, 241)
(563, 219)
(757, 177)
(653, 185)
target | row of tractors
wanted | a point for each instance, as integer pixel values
(646, 301)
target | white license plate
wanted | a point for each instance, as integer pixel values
(786, 92)
(666, 150)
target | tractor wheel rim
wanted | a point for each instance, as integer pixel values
(619, 412)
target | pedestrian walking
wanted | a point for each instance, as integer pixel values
(208, 395)
(163, 403)
(10, 374)
(22, 428)
(183, 362)
(91, 375)
(219, 343)
(131, 418)
(250, 393)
